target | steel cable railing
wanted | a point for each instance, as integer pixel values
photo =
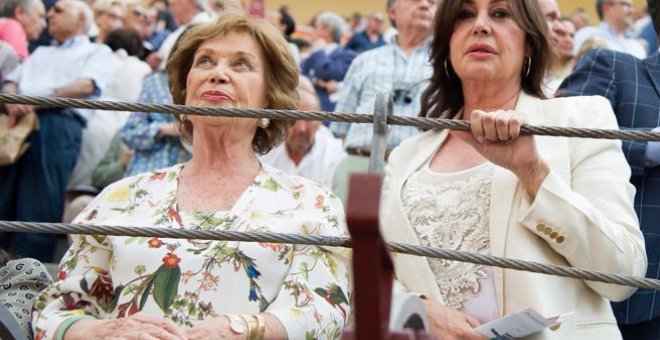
(432, 252)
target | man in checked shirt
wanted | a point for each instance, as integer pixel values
(400, 68)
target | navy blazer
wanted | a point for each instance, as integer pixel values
(321, 66)
(631, 86)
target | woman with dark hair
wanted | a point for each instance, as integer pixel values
(492, 191)
(159, 288)
(285, 24)
(126, 39)
(129, 70)
(288, 22)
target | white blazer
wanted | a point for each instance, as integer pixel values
(582, 216)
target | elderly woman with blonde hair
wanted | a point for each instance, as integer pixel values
(159, 288)
(109, 15)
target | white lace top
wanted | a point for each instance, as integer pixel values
(451, 210)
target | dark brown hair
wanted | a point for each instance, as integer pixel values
(444, 95)
(281, 72)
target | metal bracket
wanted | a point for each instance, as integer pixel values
(382, 109)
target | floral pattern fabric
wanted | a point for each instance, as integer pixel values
(187, 281)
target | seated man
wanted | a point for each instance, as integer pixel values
(33, 188)
(310, 151)
(327, 65)
(22, 21)
(370, 38)
(616, 22)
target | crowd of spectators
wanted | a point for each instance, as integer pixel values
(123, 50)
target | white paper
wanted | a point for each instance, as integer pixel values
(520, 324)
(407, 311)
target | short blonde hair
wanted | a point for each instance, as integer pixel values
(281, 71)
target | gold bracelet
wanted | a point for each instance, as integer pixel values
(256, 326)
(251, 326)
(261, 330)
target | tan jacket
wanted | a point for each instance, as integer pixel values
(582, 216)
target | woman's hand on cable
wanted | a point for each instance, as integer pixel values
(213, 328)
(449, 324)
(496, 136)
(138, 326)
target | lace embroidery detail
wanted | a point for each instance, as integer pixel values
(452, 214)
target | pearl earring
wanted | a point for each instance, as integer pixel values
(263, 123)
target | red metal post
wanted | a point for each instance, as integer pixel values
(372, 267)
(373, 270)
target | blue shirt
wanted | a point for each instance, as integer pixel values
(360, 42)
(386, 69)
(140, 132)
(157, 38)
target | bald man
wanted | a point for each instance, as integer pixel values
(310, 151)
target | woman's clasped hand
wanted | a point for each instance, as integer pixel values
(449, 324)
(135, 327)
(496, 136)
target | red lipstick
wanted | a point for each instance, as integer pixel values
(480, 50)
(216, 95)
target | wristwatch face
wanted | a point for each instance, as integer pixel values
(237, 325)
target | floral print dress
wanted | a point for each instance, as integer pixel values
(188, 281)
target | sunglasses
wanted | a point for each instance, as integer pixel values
(139, 13)
(114, 16)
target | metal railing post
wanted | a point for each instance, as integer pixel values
(382, 109)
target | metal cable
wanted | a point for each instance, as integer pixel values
(432, 252)
(424, 123)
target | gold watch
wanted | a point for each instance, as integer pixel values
(237, 324)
